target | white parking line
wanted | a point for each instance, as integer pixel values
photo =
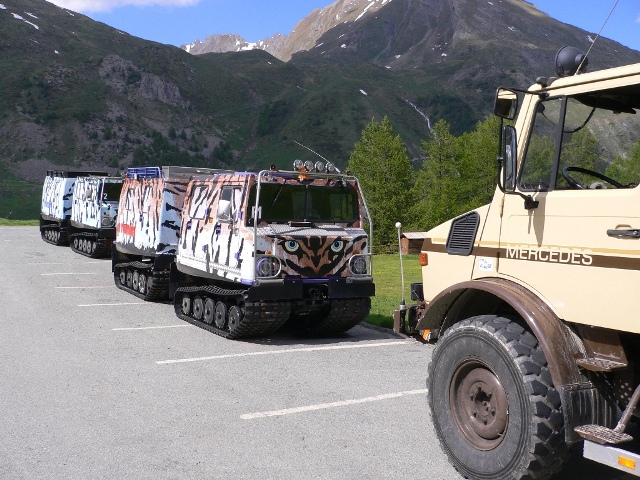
(123, 329)
(111, 304)
(46, 263)
(322, 406)
(67, 273)
(68, 288)
(289, 350)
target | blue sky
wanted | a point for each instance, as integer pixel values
(178, 22)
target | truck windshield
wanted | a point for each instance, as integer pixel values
(111, 191)
(306, 203)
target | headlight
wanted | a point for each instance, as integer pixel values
(268, 266)
(107, 221)
(358, 265)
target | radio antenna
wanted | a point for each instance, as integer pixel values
(597, 36)
(304, 146)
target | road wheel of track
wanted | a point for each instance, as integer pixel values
(129, 280)
(235, 318)
(122, 276)
(221, 315)
(209, 310)
(94, 245)
(75, 243)
(134, 280)
(185, 307)
(142, 283)
(198, 307)
(494, 407)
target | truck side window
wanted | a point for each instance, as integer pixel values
(229, 204)
(598, 146)
(537, 166)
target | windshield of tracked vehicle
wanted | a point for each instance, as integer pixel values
(281, 202)
(111, 191)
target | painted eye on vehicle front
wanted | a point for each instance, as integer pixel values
(337, 246)
(291, 245)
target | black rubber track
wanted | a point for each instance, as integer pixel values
(61, 240)
(103, 245)
(259, 319)
(533, 445)
(345, 313)
(157, 287)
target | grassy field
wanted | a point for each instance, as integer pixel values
(19, 200)
(386, 275)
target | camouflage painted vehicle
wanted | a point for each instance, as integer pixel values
(92, 226)
(57, 200)
(259, 249)
(148, 229)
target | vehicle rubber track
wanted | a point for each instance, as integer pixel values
(149, 285)
(239, 318)
(54, 235)
(345, 314)
(89, 245)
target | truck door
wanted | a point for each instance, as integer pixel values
(579, 248)
(227, 242)
(196, 230)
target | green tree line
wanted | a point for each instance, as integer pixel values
(457, 174)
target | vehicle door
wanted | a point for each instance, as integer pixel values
(579, 245)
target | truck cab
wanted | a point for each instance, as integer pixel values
(531, 297)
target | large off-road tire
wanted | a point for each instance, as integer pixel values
(494, 407)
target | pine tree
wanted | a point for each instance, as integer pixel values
(382, 165)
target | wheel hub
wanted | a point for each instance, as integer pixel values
(479, 405)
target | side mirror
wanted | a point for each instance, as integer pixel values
(506, 104)
(509, 159)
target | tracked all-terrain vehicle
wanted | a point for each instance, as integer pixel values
(259, 249)
(148, 228)
(57, 201)
(533, 298)
(92, 226)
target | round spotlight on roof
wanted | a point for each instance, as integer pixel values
(569, 60)
(297, 164)
(308, 165)
(320, 166)
(331, 168)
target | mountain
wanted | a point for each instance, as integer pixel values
(303, 36)
(407, 34)
(79, 94)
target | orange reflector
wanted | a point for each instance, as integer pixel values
(627, 462)
(425, 334)
(424, 260)
(268, 252)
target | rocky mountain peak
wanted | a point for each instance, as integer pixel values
(304, 35)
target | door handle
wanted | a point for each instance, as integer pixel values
(632, 232)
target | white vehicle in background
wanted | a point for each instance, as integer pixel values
(57, 201)
(92, 226)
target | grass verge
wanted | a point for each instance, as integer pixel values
(18, 223)
(386, 276)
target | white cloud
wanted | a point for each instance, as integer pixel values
(108, 5)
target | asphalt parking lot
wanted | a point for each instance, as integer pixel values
(95, 383)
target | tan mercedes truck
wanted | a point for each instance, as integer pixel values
(532, 299)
